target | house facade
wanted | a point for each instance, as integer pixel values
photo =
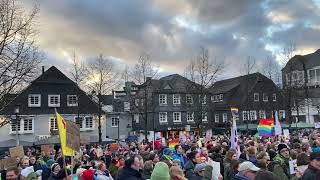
(255, 95)
(37, 103)
(301, 83)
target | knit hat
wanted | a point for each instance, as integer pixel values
(160, 172)
(314, 155)
(200, 167)
(282, 146)
(54, 166)
(87, 174)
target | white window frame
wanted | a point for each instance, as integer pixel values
(176, 99)
(136, 118)
(224, 117)
(165, 117)
(21, 124)
(55, 123)
(39, 100)
(189, 96)
(221, 97)
(53, 105)
(316, 80)
(253, 115)
(256, 97)
(115, 122)
(72, 104)
(216, 118)
(245, 115)
(203, 100)
(174, 117)
(190, 118)
(85, 127)
(162, 100)
(204, 116)
(262, 114)
(274, 97)
(265, 97)
(81, 121)
(126, 106)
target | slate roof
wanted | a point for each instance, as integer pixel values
(52, 81)
(309, 60)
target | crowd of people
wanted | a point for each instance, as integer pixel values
(256, 158)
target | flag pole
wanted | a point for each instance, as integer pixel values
(63, 156)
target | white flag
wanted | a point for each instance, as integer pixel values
(277, 127)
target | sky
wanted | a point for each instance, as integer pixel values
(172, 31)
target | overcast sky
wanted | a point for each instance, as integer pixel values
(172, 31)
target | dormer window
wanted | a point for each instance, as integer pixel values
(34, 100)
(54, 100)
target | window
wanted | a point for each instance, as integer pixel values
(88, 122)
(262, 114)
(297, 78)
(126, 106)
(163, 117)
(314, 76)
(54, 100)
(221, 97)
(114, 122)
(162, 99)
(282, 114)
(245, 115)
(79, 121)
(265, 97)
(256, 97)
(190, 116)
(253, 115)
(216, 118)
(53, 123)
(72, 100)
(176, 99)
(136, 102)
(203, 99)
(136, 118)
(23, 125)
(34, 100)
(274, 97)
(189, 99)
(204, 116)
(224, 117)
(176, 116)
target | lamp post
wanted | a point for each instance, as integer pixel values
(16, 112)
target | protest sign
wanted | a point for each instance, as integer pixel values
(73, 135)
(286, 132)
(16, 152)
(293, 166)
(8, 163)
(317, 125)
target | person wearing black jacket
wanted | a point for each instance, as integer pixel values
(131, 170)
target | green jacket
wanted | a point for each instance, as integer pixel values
(281, 167)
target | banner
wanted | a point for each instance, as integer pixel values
(234, 133)
(277, 127)
(8, 163)
(73, 136)
(266, 127)
(17, 152)
(66, 151)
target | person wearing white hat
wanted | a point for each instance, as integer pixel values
(247, 171)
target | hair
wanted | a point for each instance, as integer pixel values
(217, 149)
(130, 161)
(14, 169)
(293, 154)
(148, 166)
(262, 163)
(303, 159)
(261, 155)
(229, 154)
(177, 173)
(265, 175)
(272, 154)
(260, 148)
(176, 146)
(234, 164)
(251, 151)
(191, 155)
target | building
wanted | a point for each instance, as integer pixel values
(169, 106)
(36, 106)
(301, 84)
(255, 95)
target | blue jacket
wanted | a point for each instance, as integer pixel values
(179, 157)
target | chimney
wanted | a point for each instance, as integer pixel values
(42, 69)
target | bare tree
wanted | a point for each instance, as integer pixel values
(78, 72)
(249, 66)
(102, 77)
(203, 71)
(19, 56)
(144, 68)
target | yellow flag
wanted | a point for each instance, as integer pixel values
(66, 151)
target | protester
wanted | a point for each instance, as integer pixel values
(247, 171)
(12, 173)
(131, 169)
(194, 159)
(102, 173)
(281, 163)
(198, 171)
(176, 173)
(313, 170)
(160, 172)
(147, 170)
(178, 155)
(265, 175)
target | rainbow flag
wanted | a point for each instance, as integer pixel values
(266, 127)
(173, 143)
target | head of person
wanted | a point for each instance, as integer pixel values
(176, 173)
(55, 168)
(160, 172)
(141, 162)
(133, 162)
(251, 151)
(24, 162)
(248, 170)
(199, 169)
(262, 163)
(154, 158)
(265, 175)
(12, 173)
(283, 150)
(231, 154)
(148, 166)
(204, 151)
(178, 149)
(195, 157)
(263, 155)
(87, 174)
(101, 166)
(303, 159)
(315, 160)
(33, 160)
(235, 165)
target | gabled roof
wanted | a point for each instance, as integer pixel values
(297, 61)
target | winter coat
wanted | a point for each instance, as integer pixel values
(53, 177)
(281, 168)
(179, 157)
(127, 173)
(146, 174)
(311, 174)
(239, 177)
(196, 177)
(189, 169)
(218, 158)
(100, 175)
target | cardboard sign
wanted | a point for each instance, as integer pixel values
(8, 163)
(46, 149)
(73, 136)
(293, 166)
(17, 152)
(286, 132)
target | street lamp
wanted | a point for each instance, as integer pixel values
(16, 112)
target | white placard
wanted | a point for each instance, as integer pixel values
(286, 132)
(293, 166)
(317, 125)
(215, 169)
